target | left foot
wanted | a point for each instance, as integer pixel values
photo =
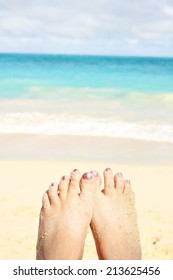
(64, 218)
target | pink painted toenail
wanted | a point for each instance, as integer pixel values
(52, 184)
(63, 177)
(95, 173)
(108, 169)
(87, 175)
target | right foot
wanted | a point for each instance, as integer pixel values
(64, 218)
(114, 222)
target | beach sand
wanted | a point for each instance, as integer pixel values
(30, 163)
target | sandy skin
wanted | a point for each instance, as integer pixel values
(65, 217)
(69, 208)
(114, 222)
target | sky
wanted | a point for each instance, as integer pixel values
(98, 27)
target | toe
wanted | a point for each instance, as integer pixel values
(53, 193)
(63, 187)
(119, 182)
(127, 187)
(45, 202)
(97, 179)
(87, 194)
(87, 185)
(108, 180)
(74, 181)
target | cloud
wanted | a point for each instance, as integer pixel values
(97, 26)
(168, 10)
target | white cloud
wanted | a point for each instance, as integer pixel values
(168, 10)
(93, 26)
(132, 41)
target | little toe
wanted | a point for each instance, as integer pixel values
(119, 182)
(63, 187)
(108, 180)
(127, 187)
(45, 202)
(53, 193)
(74, 181)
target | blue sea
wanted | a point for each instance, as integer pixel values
(120, 97)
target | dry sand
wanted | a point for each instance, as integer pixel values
(22, 185)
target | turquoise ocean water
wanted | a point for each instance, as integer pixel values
(121, 97)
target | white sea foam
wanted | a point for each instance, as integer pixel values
(53, 124)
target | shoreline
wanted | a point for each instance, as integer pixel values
(84, 148)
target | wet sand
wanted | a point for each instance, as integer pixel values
(84, 148)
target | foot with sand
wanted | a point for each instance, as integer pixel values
(65, 216)
(114, 222)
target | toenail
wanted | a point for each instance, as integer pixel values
(95, 173)
(87, 175)
(63, 177)
(75, 170)
(108, 169)
(128, 181)
(120, 174)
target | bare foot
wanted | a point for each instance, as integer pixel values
(114, 222)
(64, 218)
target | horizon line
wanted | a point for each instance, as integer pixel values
(85, 54)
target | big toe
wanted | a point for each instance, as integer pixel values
(87, 185)
(108, 180)
(97, 179)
